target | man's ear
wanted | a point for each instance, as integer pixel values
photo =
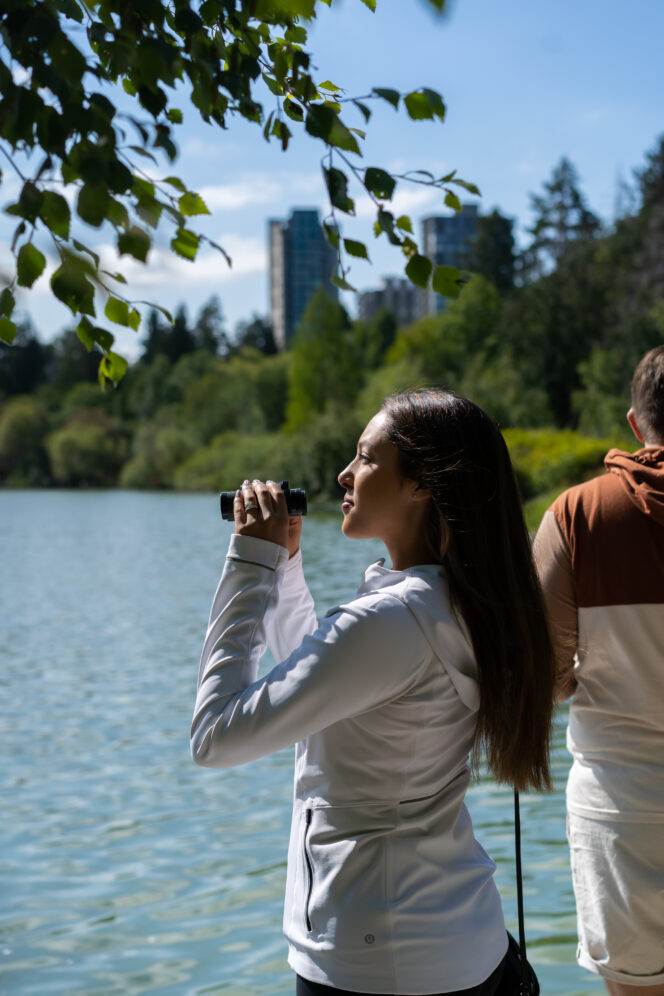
(631, 418)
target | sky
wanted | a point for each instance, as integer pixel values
(525, 82)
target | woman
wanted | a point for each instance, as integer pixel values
(444, 654)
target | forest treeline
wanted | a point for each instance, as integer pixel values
(545, 339)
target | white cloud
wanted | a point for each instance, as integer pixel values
(262, 188)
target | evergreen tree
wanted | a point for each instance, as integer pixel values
(491, 252)
(561, 218)
(209, 330)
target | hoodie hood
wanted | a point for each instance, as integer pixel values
(642, 477)
(424, 590)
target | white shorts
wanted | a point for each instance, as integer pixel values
(618, 875)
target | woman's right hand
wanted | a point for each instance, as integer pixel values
(260, 510)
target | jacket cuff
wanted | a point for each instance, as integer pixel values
(253, 550)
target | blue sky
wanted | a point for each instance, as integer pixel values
(525, 82)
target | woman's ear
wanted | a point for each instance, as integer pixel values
(421, 493)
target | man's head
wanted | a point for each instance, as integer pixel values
(646, 416)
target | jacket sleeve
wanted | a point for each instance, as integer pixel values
(554, 566)
(294, 616)
(360, 656)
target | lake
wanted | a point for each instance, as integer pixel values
(124, 868)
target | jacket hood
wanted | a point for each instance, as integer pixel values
(424, 590)
(642, 477)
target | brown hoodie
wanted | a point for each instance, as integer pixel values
(600, 556)
(642, 476)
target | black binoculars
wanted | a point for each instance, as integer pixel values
(296, 501)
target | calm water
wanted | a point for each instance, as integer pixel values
(124, 869)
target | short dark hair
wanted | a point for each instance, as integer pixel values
(476, 531)
(648, 394)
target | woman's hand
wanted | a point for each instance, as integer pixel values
(260, 510)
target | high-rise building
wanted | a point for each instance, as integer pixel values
(301, 261)
(446, 241)
(397, 294)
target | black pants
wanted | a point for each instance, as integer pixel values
(486, 988)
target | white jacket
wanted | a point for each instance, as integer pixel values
(387, 889)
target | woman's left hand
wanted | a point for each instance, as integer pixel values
(260, 510)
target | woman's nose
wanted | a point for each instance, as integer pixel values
(345, 478)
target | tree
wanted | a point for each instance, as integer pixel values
(561, 218)
(323, 368)
(63, 131)
(491, 252)
(210, 331)
(256, 334)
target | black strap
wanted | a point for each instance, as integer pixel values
(519, 894)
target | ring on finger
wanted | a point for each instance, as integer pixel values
(251, 507)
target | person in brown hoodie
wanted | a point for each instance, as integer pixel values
(600, 556)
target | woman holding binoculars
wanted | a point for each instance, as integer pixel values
(440, 658)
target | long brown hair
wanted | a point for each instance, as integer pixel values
(476, 530)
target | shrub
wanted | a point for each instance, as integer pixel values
(545, 459)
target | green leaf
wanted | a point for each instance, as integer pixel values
(93, 203)
(319, 121)
(452, 201)
(117, 311)
(418, 270)
(446, 281)
(176, 182)
(341, 283)
(273, 85)
(129, 87)
(371, 4)
(83, 248)
(30, 264)
(112, 367)
(90, 334)
(366, 111)
(385, 223)
(391, 96)
(185, 243)
(135, 242)
(7, 330)
(71, 286)
(404, 223)
(357, 249)
(337, 187)
(55, 213)
(191, 203)
(6, 303)
(331, 233)
(331, 87)
(379, 182)
(341, 137)
(418, 106)
(424, 104)
(174, 115)
(470, 187)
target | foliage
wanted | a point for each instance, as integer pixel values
(545, 459)
(492, 251)
(323, 366)
(23, 426)
(89, 450)
(545, 359)
(561, 218)
(68, 70)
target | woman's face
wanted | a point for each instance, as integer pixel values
(379, 503)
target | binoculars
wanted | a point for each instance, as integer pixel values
(296, 501)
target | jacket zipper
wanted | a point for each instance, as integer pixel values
(310, 870)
